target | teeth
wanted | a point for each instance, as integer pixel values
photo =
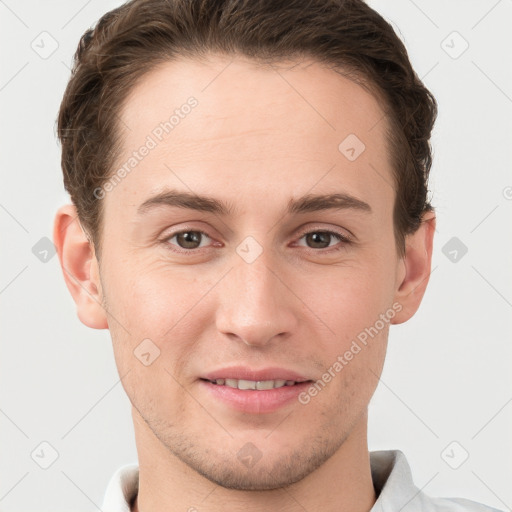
(252, 384)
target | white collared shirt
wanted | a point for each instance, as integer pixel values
(391, 476)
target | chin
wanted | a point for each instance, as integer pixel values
(250, 479)
(264, 471)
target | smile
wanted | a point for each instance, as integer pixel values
(253, 384)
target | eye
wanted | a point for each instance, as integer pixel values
(320, 239)
(187, 240)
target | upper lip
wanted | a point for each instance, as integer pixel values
(245, 373)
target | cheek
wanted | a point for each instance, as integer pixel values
(357, 306)
(153, 336)
(160, 313)
(153, 300)
(350, 299)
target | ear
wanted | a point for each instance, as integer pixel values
(414, 268)
(80, 267)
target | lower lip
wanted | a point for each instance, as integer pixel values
(253, 400)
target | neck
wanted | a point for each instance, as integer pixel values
(343, 482)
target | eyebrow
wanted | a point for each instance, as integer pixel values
(304, 204)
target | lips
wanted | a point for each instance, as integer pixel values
(254, 391)
(247, 379)
(242, 373)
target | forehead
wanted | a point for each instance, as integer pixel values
(245, 91)
(255, 124)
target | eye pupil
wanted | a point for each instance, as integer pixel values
(188, 237)
(317, 237)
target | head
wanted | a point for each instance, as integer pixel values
(195, 139)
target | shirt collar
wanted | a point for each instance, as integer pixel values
(392, 480)
(122, 489)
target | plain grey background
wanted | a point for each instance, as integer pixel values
(445, 393)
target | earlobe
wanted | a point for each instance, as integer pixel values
(415, 268)
(79, 267)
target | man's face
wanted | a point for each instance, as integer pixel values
(264, 287)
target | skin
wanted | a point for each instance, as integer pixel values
(255, 143)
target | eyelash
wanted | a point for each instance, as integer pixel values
(342, 238)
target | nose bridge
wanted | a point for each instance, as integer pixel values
(255, 305)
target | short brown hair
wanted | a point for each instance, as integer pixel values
(347, 35)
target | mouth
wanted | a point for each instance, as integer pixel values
(255, 385)
(254, 391)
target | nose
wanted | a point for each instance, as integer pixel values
(256, 302)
